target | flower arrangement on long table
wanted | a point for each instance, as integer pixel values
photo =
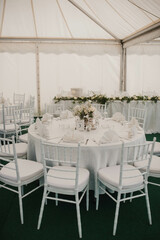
(102, 99)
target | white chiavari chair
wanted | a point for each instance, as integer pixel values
(8, 126)
(18, 99)
(63, 175)
(101, 108)
(127, 178)
(24, 118)
(16, 172)
(139, 114)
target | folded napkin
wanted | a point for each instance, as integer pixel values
(39, 126)
(134, 122)
(109, 136)
(46, 118)
(47, 130)
(66, 114)
(118, 117)
(73, 136)
(132, 131)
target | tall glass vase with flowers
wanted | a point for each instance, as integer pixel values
(85, 112)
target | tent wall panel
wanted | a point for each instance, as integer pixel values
(64, 70)
(17, 74)
(143, 69)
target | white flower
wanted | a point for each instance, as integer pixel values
(84, 110)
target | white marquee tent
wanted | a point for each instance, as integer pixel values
(48, 47)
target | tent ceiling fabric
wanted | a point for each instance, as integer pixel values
(61, 19)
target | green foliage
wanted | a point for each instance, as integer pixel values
(102, 99)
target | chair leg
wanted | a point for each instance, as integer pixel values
(97, 194)
(56, 195)
(87, 198)
(20, 204)
(78, 216)
(124, 195)
(22, 190)
(116, 214)
(42, 208)
(131, 195)
(148, 205)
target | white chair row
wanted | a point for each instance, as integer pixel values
(133, 112)
(15, 119)
(63, 176)
(56, 108)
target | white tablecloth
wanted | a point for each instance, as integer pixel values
(152, 117)
(93, 155)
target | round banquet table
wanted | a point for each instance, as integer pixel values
(93, 154)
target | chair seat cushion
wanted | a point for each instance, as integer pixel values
(24, 138)
(27, 170)
(63, 183)
(111, 176)
(8, 127)
(154, 167)
(21, 150)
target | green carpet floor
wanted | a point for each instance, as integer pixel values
(60, 223)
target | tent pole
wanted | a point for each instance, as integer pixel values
(38, 81)
(123, 70)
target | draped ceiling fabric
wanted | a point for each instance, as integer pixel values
(77, 44)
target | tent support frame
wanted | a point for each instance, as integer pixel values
(58, 40)
(123, 69)
(38, 81)
(147, 34)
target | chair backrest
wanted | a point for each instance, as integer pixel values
(32, 102)
(101, 108)
(24, 116)
(8, 115)
(54, 108)
(139, 114)
(18, 99)
(130, 156)
(64, 156)
(8, 155)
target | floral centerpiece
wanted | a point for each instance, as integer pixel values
(84, 111)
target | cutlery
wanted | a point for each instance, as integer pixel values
(86, 141)
(94, 141)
